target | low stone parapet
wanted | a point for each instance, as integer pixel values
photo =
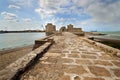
(14, 70)
(42, 41)
(108, 49)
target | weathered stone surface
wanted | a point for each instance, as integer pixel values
(52, 54)
(92, 64)
(100, 62)
(73, 55)
(116, 63)
(92, 78)
(99, 71)
(83, 62)
(21, 63)
(65, 51)
(106, 57)
(50, 29)
(77, 78)
(118, 55)
(63, 55)
(51, 60)
(88, 56)
(75, 52)
(116, 72)
(64, 78)
(55, 51)
(66, 60)
(76, 70)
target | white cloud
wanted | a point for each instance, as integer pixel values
(48, 8)
(9, 16)
(27, 3)
(45, 13)
(13, 7)
(84, 3)
(27, 20)
(99, 12)
(106, 13)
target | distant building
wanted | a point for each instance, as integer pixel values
(50, 29)
(77, 31)
(63, 29)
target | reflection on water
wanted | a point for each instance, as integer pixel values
(12, 40)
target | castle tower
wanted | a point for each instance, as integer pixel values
(50, 29)
(69, 27)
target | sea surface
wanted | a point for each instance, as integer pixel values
(110, 35)
(12, 40)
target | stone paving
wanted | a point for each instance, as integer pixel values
(71, 58)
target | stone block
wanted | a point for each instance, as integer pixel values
(76, 70)
(116, 63)
(105, 63)
(116, 72)
(64, 78)
(75, 52)
(67, 60)
(73, 55)
(88, 56)
(83, 62)
(92, 78)
(99, 71)
(106, 57)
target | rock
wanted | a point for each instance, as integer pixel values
(118, 54)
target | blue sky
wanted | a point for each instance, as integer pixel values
(90, 15)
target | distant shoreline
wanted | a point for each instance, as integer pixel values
(26, 31)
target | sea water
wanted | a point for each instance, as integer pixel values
(12, 40)
(109, 35)
(112, 35)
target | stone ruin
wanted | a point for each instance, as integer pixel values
(63, 29)
(77, 31)
(51, 29)
(70, 28)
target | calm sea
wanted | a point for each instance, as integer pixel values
(112, 35)
(12, 40)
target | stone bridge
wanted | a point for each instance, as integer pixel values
(66, 57)
(72, 58)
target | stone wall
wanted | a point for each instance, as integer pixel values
(69, 27)
(112, 51)
(77, 31)
(50, 29)
(63, 29)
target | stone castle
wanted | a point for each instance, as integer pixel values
(51, 29)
